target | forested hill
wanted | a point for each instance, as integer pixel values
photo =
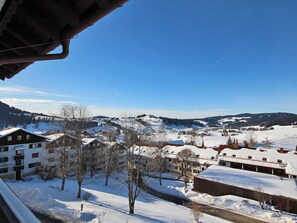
(10, 116)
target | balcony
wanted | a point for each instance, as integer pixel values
(18, 167)
(19, 157)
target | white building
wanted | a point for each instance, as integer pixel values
(19, 152)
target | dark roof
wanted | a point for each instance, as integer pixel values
(30, 29)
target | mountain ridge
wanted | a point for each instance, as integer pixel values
(11, 116)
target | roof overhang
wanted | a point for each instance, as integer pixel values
(29, 30)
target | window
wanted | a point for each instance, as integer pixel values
(28, 137)
(34, 164)
(4, 149)
(3, 170)
(279, 161)
(212, 157)
(264, 159)
(35, 155)
(197, 156)
(36, 145)
(51, 150)
(250, 157)
(19, 152)
(18, 162)
(19, 137)
(233, 155)
(9, 138)
(224, 154)
(3, 159)
(51, 159)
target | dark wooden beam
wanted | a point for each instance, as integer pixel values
(65, 10)
(24, 39)
(31, 17)
(10, 45)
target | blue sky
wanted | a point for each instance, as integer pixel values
(185, 59)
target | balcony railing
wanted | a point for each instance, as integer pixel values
(18, 167)
(19, 157)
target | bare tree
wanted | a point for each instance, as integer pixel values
(267, 143)
(260, 196)
(66, 122)
(196, 210)
(134, 164)
(193, 138)
(111, 154)
(160, 163)
(184, 158)
(251, 139)
(78, 118)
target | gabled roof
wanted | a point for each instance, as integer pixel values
(29, 30)
(9, 131)
(56, 136)
(87, 141)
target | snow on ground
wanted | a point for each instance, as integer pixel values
(232, 203)
(106, 204)
(42, 127)
(281, 137)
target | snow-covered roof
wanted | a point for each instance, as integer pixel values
(87, 141)
(271, 184)
(262, 157)
(201, 155)
(8, 131)
(147, 151)
(54, 136)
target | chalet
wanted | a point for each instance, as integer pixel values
(19, 152)
(94, 153)
(146, 156)
(59, 146)
(199, 160)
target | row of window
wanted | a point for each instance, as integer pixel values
(3, 148)
(250, 157)
(18, 152)
(31, 146)
(35, 145)
(3, 159)
(19, 138)
(30, 165)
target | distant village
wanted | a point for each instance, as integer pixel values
(24, 153)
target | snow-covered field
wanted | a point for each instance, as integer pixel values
(280, 137)
(106, 203)
(232, 203)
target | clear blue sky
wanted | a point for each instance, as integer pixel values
(190, 59)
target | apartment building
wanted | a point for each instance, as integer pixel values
(19, 152)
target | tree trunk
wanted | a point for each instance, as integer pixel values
(131, 207)
(79, 190)
(106, 179)
(63, 182)
(160, 178)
